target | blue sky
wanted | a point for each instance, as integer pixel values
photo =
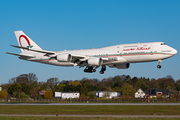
(80, 24)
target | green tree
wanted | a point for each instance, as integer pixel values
(117, 89)
(14, 94)
(60, 87)
(153, 83)
(178, 88)
(25, 88)
(23, 95)
(70, 88)
(141, 84)
(48, 94)
(15, 88)
(133, 81)
(43, 87)
(178, 85)
(91, 94)
(74, 83)
(128, 90)
(117, 81)
(3, 94)
(34, 85)
(83, 91)
(86, 81)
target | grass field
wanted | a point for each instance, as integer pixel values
(91, 110)
(78, 118)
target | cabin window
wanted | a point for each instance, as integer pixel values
(163, 43)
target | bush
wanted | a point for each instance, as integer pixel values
(48, 94)
(91, 94)
(3, 94)
(128, 90)
(23, 95)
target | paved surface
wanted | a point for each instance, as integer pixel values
(89, 103)
(110, 116)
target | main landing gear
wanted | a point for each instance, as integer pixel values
(90, 69)
(102, 69)
(159, 62)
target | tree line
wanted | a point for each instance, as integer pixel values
(27, 85)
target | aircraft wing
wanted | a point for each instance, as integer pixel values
(22, 55)
(76, 56)
(41, 51)
(113, 59)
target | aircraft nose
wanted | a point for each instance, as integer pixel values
(174, 51)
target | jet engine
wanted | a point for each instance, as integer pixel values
(94, 61)
(120, 66)
(64, 58)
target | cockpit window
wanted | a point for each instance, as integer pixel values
(163, 43)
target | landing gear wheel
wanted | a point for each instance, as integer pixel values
(89, 69)
(101, 72)
(93, 70)
(102, 69)
(159, 66)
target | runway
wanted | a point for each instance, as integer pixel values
(107, 116)
(89, 103)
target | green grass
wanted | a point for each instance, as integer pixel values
(78, 118)
(92, 109)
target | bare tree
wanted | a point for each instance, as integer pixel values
(52, 82)
(32, 77)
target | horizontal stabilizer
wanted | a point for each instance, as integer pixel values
(40, 51)
(22, 55)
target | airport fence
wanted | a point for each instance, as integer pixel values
(88, 100)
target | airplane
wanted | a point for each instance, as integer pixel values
(116, 56)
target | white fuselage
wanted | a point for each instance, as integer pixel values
(130, 53)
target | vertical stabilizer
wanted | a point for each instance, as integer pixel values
(25, 41)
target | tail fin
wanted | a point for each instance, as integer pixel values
(25, 41)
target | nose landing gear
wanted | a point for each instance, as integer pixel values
(159, 62)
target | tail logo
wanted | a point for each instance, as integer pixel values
(27, 40)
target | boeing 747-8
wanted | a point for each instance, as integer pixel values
(117, 56)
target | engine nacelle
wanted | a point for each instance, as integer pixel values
(94, 61)
(64, 58)
(120, 66)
